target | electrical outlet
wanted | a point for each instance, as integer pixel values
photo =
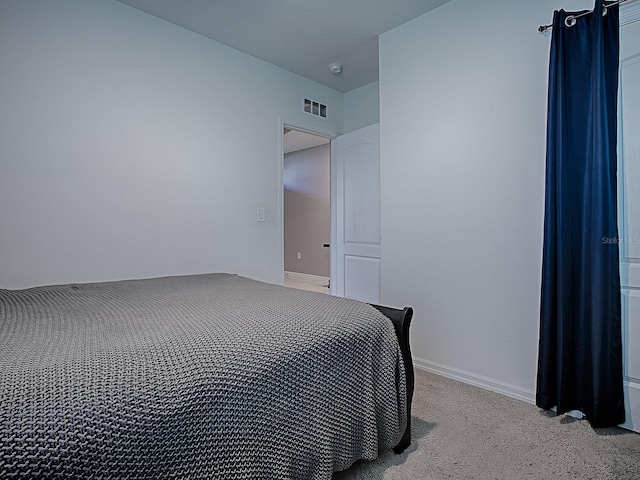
(299, 255)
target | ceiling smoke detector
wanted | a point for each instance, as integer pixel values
(335, 68)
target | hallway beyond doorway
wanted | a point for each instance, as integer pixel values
(302, 281)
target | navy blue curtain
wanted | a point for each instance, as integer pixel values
(580, 346)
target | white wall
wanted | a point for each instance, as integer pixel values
(361, 107)
(462, 127)
(130, 147)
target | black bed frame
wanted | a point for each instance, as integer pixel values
(401, 320)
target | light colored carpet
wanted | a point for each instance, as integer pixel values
(312, 283)
(464, 432)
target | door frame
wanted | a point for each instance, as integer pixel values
(313, 129)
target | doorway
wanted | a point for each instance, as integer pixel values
(306, 209)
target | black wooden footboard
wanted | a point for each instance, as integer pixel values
(401, 320)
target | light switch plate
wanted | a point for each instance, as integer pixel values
(260, 215)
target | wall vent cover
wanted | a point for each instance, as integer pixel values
(314, 108)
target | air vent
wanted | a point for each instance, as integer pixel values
(314, 108)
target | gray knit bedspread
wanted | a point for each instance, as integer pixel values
(204, 376)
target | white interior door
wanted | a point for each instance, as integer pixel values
(358, 215)
(629, 209)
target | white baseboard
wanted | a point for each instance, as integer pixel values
(306, 277)
(487, 383)
(519, 393)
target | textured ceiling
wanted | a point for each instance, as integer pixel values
(295, 140)
(302, 36)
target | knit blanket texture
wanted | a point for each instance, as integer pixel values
(212, 376)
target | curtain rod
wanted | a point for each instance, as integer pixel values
(570, 21)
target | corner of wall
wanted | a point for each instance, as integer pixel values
(361, 107)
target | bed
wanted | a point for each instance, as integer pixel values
(198, 376)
